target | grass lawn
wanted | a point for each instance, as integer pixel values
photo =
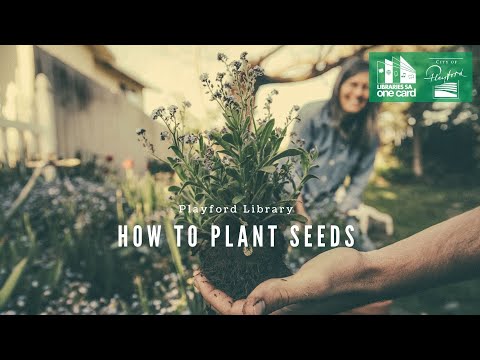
(415, 207)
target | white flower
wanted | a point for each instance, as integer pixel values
(157, 113)
(172, 109)
(258, 71)
(237, 64)
(164, 135)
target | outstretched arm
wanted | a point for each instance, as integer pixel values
(443, 253)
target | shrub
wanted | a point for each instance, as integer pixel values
(239, 165)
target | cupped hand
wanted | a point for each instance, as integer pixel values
(322, 285)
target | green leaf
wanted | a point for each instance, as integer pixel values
(180, 173)
(227, 147)
(11, 282)
(233, 173)
(228, 121)
(172, 245)
(177, 151)
(174, 189)
(277, 144)
(231, 128)
(202, 145)
(189, 183)
(268, 169)
(308, 177)
(272, 218)
(228, 138)
(206, 177)
(230, 153)
(237, 199)
(266, 131)
(288, 152)
(267, 150)
(299, 218)
(305, 161)
(199, 197)
(57, 273)
(245, 125)
(216, 219)
(258, 193)
(236, 117)
(284, 218)
(267, 194)
(249, 151)
(172, 161)
(221, 193)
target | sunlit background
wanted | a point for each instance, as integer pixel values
(173, 72)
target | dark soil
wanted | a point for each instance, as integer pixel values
(230, 270)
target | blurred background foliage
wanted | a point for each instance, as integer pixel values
(60, 255)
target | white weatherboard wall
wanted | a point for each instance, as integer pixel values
(93, 120)
(19, 130)
(47, 107)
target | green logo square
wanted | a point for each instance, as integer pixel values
(420, 76)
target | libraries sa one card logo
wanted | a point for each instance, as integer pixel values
(420, 76)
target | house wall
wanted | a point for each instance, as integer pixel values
(8, 64)
(91, 119)
(18, 130)
(81, 58)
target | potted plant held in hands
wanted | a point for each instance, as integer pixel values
(240, 165)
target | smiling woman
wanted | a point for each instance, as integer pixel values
(354, 93)
(344, 130)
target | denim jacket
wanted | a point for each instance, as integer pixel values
(337, 159)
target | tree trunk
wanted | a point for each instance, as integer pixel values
(417, 152)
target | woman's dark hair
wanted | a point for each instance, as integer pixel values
(360, 129)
